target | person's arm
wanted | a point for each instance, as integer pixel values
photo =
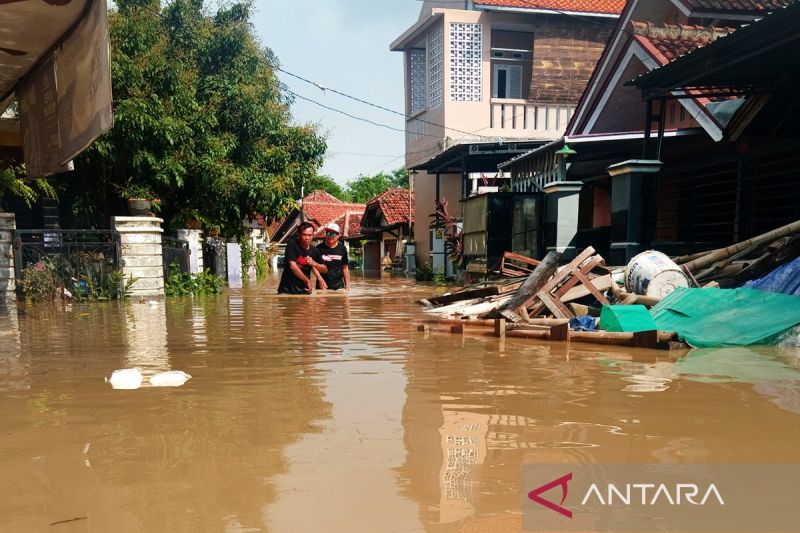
(346, 274)
(320, 280)
(298, 272)
(317, 265)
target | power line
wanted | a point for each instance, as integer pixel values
(362, 119)
(325, 88)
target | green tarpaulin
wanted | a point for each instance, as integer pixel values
(630, 318)
(726, 317)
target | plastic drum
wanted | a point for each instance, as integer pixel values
(652, 273)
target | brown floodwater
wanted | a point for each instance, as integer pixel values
(332, 413)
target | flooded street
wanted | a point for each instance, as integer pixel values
(332, 413)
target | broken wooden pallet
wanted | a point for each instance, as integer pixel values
(575, 280)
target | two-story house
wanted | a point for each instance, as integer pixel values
(487, 80)
(682, 168)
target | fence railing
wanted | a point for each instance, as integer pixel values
(75, 250)
(175, 251)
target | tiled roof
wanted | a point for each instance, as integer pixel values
(666, 42)
(394, 204)
(606, 7)
(736, 6)
(349, 222)
(322, 208)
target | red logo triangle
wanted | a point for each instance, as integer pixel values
(562, 482)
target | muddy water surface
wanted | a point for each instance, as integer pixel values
(334, 414)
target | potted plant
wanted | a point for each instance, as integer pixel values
(141, 200)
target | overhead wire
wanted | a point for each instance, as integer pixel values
(405, 115)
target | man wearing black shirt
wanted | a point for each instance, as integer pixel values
(334, 257)
(302, 263)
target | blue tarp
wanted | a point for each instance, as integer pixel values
(726, 317)
(784, 279)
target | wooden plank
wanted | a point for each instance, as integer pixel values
(521, 258)
(500, 327)
(569, 285)
(558, 278)
(646, 339)
(602, 283)
(559, 333)
(446, 299)
(533, 284)
(558, 309)
(586, 282)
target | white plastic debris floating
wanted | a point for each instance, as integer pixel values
(652, 273)
(173, 378)
(126, 378)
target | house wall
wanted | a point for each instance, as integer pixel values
(565, 50)
(424, 206)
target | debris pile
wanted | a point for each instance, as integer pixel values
(540, 299)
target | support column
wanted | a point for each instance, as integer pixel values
(234, 255)
(141, 254)
(195, 239)
(7, 285)
(626, 207)
(561, 216)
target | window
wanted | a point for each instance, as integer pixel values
(466, 54)
(418, 98)
(507, 81)
(436, 66)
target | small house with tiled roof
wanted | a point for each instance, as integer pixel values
(386, 226)
(489, 79)
(688, 193)
(320, 208)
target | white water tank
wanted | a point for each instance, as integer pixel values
(652, 273)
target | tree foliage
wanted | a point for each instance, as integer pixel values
(363, 187)
(327, 184)
(199, 120)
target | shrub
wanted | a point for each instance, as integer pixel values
(180, 283)
(424, 272)
(39, 282)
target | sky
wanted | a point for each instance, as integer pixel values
(344, 45)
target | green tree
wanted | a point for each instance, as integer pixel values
(363, 187)
(199, 119)
(400, 178)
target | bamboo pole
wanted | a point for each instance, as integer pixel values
(724, 253)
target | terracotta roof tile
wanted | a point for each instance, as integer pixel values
(349, 222)
(606, 7)
(394, 204)
(321, 208)
(667, 42)
(736, 6)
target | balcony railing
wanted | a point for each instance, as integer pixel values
(529, 118)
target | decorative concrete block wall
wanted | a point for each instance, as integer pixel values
(141, 254)
(7, 227)
(195, 239)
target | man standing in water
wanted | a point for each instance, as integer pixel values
(301, 263)
(334, 257)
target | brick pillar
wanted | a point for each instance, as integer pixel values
(561, 216)
(141, 254)
(195, 239)
(7, 226)
(626, 207)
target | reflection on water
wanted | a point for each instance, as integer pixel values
(331, 413)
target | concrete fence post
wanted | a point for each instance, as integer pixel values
(7, 285)
(141, 255)
(195, 239)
